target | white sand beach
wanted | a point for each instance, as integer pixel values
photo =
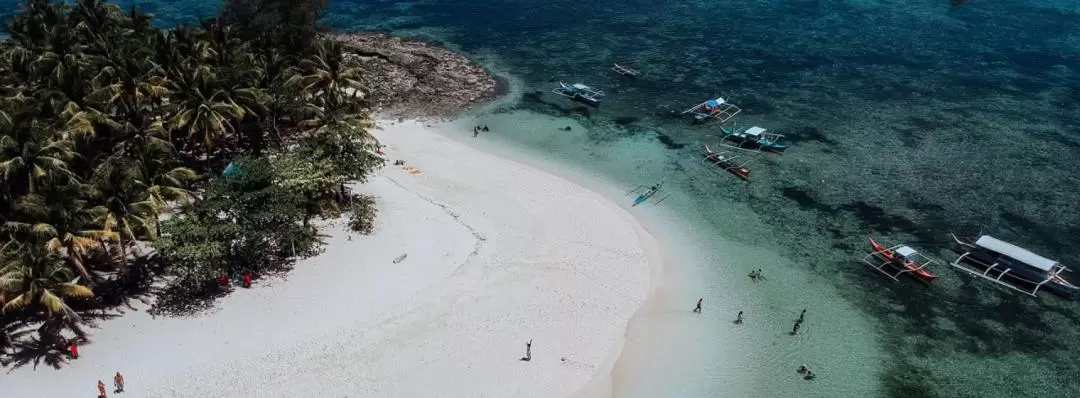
(498, 253)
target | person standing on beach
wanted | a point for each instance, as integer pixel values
(528, 351)
(101, 389)
(795, 329)
(247, 278)
(698, 308)
(475, 131)
(73, 350)
(118, 382)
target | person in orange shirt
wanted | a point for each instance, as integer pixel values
(118, 381)
(101, 389)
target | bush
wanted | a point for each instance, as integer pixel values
(362, 219)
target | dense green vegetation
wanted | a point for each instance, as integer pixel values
(114, 136)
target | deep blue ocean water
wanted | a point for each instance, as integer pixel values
(907, 119)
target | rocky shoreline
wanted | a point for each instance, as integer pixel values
(411, 78)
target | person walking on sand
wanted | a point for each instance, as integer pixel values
(795, 329)
(698, 308)
(528, 351)
(738, 319)
(802, 316)
(101, 389)
(118, 382)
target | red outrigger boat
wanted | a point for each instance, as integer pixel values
(899, 258)
(734, 164)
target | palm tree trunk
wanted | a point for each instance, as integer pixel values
(123, 253)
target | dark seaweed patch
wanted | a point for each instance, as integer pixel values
(667, 141)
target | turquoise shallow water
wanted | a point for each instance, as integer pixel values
(908, 119)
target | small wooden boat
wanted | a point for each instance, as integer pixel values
(898, 260)
(727, 161)
(580, 93)
(714, 109)
(1014, 267)
(646, 193)
(754, 139)
(622, 70)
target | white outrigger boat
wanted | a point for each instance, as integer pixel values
(622, 70)
(754, 139)
(646, 193)
(580, 93)
(1013, 267)
(714, 109)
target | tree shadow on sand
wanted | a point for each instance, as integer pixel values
(29, 339)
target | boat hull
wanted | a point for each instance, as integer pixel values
(730, 167)
(884, 254)
(1019, 273)
(755, 145)
(587, 101)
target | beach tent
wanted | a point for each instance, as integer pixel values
(231, 169)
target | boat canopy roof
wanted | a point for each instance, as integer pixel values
(1015, 252)
(905, 251)
(754, 131)
(714, 102)
(580, 86)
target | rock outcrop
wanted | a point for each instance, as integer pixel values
(413, 78)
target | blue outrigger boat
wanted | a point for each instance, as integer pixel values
(714, 109)
(753, 139)
(1014, 267)
(646, 193)
(580, 93)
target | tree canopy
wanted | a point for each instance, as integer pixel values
(114, 136)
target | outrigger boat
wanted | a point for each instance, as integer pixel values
(1013, 267)
(580, 93)
(646, 193)
(754, 139)
(622, 70)
(733, 164)
(714, 109)
(898, 260)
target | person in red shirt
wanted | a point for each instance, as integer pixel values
(247, 278)
(74, 350)
(224, 280)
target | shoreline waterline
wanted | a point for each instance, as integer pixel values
(668, 349)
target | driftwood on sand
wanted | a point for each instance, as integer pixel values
(413, 78)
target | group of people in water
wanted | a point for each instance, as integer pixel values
(755, 275)
(476, 130)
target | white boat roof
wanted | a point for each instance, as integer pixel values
(905, 251)
(754, 131)
(1015, 252)
(580, 86)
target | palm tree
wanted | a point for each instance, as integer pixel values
(326, 76)
(60, 220)
(30, 156)
(161, 179)
(201, 108)
(32, 277)
(124, 215)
